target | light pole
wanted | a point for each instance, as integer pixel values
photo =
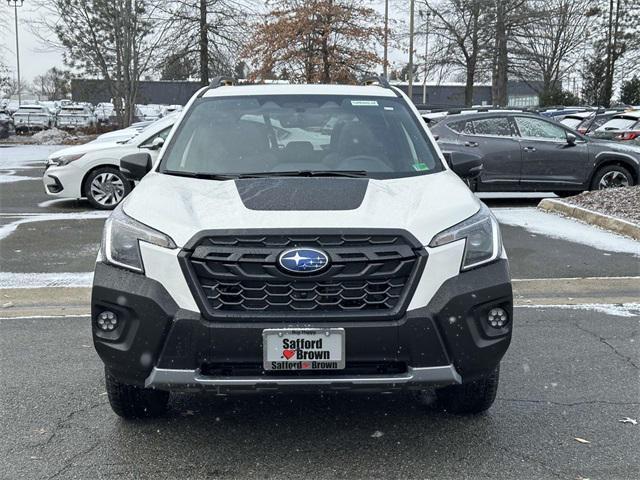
(426, 14)
(410, 66)
(16, 4)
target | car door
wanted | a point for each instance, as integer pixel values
(494, 139)
(549, 160)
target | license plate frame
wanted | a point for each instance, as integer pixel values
(335, 336)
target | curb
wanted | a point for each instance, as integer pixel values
(616, 225)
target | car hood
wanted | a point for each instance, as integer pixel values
(182, 207)
(83, 149)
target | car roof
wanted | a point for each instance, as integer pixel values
(299, 89)
(581, 115)
(478, 115)
(629, 114)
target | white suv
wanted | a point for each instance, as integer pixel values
(245, 260)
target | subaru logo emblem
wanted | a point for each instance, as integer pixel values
(303, 260)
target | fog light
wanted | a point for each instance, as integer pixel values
(107, 321)
(497, 317)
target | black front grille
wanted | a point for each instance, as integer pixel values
(238, 275)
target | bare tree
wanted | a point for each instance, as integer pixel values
(317, 41)
(212, 33)
(53, 84)
(548, 48)
(115, 40)
(461, 29)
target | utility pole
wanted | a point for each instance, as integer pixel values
(16, 4)
(411, 28)
(386, 38)
(426, 55)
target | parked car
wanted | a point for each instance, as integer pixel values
(523, 152)
(75, 116)
(7, 128)
(623, 127)
(558, 113)
(169, 109)
(573, 120)
(593, 122)
(149, 112)
(33, 117)
(239, 264)
(92, 171)
(122, 135)
(113, 117)
(103, 112)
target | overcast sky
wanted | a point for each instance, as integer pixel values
(35, 59)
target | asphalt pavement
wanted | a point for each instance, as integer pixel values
(570, 376)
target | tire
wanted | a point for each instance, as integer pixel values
(111, 183)
(566, 194)
(129, 401)
(612, 176)
(470, 398)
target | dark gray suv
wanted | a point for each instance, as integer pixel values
(526, 152)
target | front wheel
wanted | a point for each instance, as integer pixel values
(612, 176)
(471, 397)
(106, 187)
(129, 401)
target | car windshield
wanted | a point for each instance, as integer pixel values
(619, 123)
(374, 136)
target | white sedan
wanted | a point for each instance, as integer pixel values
(92, 171)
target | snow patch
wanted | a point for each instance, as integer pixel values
(42, 280)
(555, 226)
(52, 136)
(23, 155)
(618, 310)
(9, 176)
(9, 228)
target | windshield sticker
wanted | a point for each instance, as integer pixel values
(364, 103)
(420, 167)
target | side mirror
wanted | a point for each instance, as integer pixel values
(465, 165)
(136, 165)
(157, 144)
(571, 139)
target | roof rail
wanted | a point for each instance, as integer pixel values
(222, 82)
(380, 80)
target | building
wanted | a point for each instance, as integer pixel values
(444, 95)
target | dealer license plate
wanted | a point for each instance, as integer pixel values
(303, 349)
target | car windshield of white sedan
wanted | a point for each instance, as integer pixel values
(303, 134)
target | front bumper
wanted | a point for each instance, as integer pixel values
(159, 345)
(63, 181)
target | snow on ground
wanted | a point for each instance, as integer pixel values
(52, 136)
(9, 176)
(21, 156)
(40, 280)
(19, 219)
(555, 226)
(618, 310)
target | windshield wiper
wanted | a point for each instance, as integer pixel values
(308, 173)
(207, 176)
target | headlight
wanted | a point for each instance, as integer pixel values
(121, 237)
(65, 159)
(482, 234)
